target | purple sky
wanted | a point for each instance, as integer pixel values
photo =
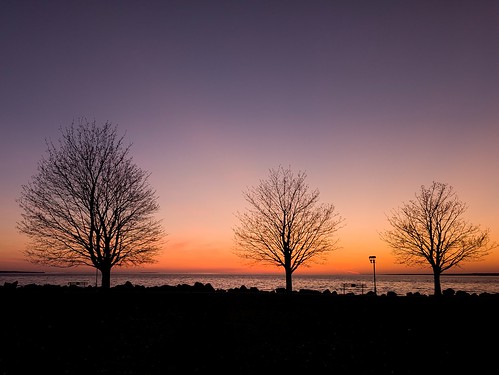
(371, 98)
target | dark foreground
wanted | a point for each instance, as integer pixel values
(72, 330)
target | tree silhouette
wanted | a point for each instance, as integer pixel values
(284, 225)
(89, 204)
(431, 229)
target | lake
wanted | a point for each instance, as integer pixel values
(357, 284)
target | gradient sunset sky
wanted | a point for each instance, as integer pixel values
(371, 98)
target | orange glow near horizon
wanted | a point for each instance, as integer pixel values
(200, 240)
(199, 257)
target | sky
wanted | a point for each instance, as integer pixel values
(372, 99)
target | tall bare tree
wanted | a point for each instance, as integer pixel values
(89, 204)
(431, 230)
(284, 225)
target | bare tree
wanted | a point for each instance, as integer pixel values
(431, 229)
(89, 204)
(284, 225)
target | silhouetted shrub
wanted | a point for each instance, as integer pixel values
(448, 292)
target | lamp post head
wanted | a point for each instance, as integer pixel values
(372, 258)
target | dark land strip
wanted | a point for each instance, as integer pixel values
(182, 330)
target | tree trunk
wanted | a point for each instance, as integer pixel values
(105, 277)
(436, 282)
(289, 280)
(289, 272)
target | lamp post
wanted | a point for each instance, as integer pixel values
(372, 259)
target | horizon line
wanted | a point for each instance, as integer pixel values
(264, 273)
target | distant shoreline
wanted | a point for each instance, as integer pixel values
(445, 274)
(195, 273)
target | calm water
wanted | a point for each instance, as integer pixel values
(358, 284)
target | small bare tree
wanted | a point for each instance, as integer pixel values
(284, 225)
(89, 204)
(431, 229)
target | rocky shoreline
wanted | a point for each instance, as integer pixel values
(196, 329)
